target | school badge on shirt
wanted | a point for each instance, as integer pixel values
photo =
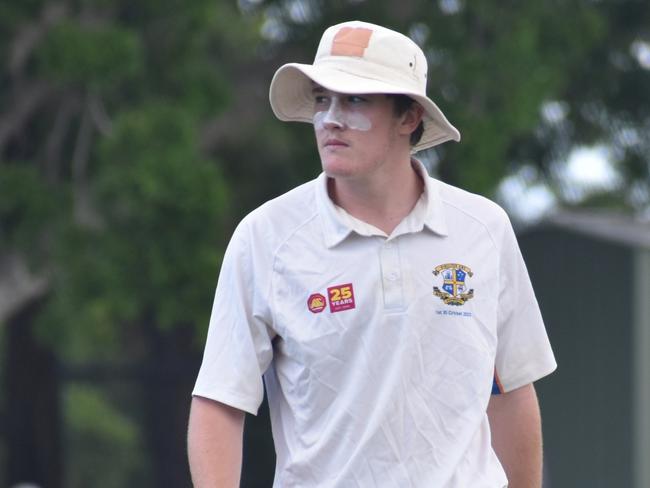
(454, 289)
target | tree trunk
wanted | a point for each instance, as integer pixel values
(167, 388)
(32, 403)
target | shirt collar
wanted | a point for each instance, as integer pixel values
(334, 229)
(427, 212)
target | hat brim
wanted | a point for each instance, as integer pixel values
(291, 98)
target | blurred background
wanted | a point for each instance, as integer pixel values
(135, 135)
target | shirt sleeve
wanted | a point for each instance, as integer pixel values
(238, 348)
(524, 353)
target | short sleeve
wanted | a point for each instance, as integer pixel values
(524, 353)
(238, 348)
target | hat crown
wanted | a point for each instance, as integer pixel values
(363, 48)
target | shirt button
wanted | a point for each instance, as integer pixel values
(388, 245)
(392, 276)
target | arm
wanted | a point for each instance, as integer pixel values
(214, 443)
(515, 423)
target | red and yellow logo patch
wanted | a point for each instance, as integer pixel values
(341, 297)
(316, 303)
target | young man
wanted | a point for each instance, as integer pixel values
(390, 314)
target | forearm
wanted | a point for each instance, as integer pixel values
(515, 423)
(214, 444)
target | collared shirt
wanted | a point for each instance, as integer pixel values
(379, 353)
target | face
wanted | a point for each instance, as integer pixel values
(356, 134)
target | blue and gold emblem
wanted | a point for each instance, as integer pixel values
(454, 283)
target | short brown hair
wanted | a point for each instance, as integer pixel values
(402, 104)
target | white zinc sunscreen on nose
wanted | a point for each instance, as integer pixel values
(342, 116)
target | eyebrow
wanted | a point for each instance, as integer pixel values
(317, 88)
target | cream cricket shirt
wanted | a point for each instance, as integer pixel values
(379, 353)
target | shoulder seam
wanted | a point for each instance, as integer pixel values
(293, 232)
(475, 218)
(269, 294)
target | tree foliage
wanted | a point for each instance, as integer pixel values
(134, 136)
(496, 67)
(110, 206)
(102, 165)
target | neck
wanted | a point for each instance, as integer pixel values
(383, 200)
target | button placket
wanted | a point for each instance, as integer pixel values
(391, 274)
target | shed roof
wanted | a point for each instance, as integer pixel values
(607, 225)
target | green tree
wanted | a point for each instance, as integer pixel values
(113, 217)
(495, 67)
(134, 136)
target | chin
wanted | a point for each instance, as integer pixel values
(336, 167)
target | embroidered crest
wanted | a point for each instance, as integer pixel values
(454, 285)
(316, 303)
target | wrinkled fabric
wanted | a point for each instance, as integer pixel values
(391, 389)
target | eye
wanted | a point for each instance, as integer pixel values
(320, 99)
(356, 99)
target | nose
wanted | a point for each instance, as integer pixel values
(333, 118)
(331, 122)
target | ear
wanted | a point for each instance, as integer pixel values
(411, 119)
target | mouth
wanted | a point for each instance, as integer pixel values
(335, 143)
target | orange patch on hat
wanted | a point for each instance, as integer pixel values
(351, 41)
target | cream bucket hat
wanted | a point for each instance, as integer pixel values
(358, 57)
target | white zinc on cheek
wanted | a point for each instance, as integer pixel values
(341, 116)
